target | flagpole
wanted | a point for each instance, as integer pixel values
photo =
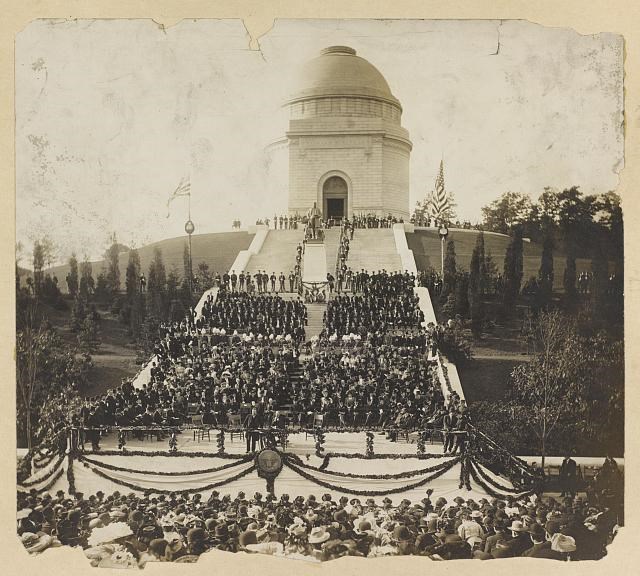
(189, 229)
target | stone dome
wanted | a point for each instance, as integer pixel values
(338, 71)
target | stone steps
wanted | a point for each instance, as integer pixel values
(374, 249)
(278, 253)
(315, 317)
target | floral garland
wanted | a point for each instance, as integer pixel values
(161, 473)
(492, 492)
(54, 469)
(51, 482)
(164, 491)
(163, 453)
(71, 479)
(373, 493)
(420, 445)
(220, 441)
(387, 456)
(43, 461)
(369, 450)
(297, 461)
(173, 442)
(122, 441)
(320, 439)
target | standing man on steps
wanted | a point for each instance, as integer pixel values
(241, 280)
(273, 281)
(292, 281)
(282, 279)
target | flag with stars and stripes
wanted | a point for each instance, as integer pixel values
(183, 189)
(440, 203)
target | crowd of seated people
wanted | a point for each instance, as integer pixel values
(372, 385)
(386, 301)
(177, 527)
(261, 314)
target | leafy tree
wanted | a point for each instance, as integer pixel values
(569, 278)
(600, 269)
(513, 268)
(450, 271)
(510, 209)
(89, 334)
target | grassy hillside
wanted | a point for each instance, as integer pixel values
(425, 244)
(218, 250)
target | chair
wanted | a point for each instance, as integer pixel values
(235, 426)
(199, 428)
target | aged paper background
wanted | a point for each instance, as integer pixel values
(617, 16)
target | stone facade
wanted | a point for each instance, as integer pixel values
(345, 123)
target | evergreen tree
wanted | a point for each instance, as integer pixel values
(483, 280)
(72, 276)
(513, 268)
(113, 271)
(491, 270)
(462, 295)
(157, 286)
(545, 273)
(450, 271)
(103, 289)
(87, 284)
(475, 294)
(132, 275)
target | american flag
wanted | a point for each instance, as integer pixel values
(439, 202)
(183, 189)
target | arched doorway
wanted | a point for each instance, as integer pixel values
(335, 194)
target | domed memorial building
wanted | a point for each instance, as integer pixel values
(347, 148)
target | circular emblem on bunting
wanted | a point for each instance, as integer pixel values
(269, 462)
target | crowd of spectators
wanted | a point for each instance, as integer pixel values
(179, 528)
(261, 314)
(385, 301)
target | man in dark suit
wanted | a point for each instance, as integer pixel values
(251, 424)
(568, 473)
(541, 546)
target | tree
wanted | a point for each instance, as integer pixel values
(157, 286)
(38, 266)
(72, 276)
(87, 284)
(476, 282)
(544, 385)
(450, 271)
(545, 273)
(462, 294)
(511, 209)
(205, 277)
(600, 269)
(513, 268)
(89, 334)
(491, 270)
(113, 270)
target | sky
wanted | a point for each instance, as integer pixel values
(112, 114)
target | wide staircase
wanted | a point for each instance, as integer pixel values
(278, 253)
(373, 249)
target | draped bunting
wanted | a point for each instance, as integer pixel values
(163, 484)
(355, 485)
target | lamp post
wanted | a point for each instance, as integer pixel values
(444, 232)
(189, 229)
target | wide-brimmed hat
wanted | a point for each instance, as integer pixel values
(517, 526)
(562, 543)
(319, 535)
